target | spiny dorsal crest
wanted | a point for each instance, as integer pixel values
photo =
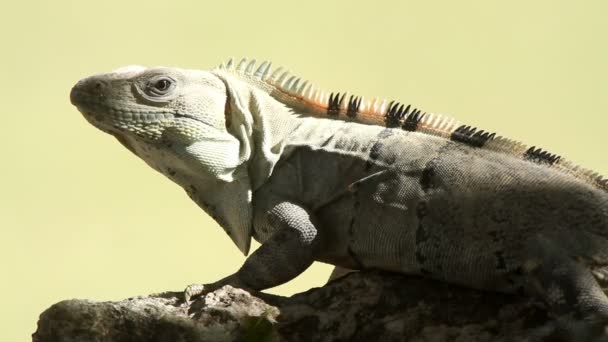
(393, 114)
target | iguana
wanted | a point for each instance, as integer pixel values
(359, 183)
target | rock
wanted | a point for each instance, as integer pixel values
(370, 306)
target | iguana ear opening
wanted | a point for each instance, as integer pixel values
(228, 111)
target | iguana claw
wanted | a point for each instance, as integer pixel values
(195, 291)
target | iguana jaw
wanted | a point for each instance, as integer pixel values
(145, 124)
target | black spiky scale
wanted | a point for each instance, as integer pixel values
(334, 103)
(412, 120)
(352, 109)
(539, 156)
(471, 136)
(394, 114)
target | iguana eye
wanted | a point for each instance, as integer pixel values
(160, 86)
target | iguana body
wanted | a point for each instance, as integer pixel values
(360, 184)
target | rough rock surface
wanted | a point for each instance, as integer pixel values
(369, 306)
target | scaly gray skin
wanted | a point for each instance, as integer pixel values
(313, 178)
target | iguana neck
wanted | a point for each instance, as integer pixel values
(262, 125)
(221, 172)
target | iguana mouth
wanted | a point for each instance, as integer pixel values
(101, 112)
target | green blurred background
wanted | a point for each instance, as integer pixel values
(82, 217)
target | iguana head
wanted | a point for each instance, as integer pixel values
(149, 103)
(176, 121)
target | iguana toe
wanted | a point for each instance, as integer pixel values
(194, 291)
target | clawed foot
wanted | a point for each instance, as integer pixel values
(194, 291)
(197, 290)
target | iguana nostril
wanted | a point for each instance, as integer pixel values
(99, 88)
(87, 88)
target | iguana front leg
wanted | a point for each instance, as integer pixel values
(286, 254)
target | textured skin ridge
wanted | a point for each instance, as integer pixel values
(384, 113)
